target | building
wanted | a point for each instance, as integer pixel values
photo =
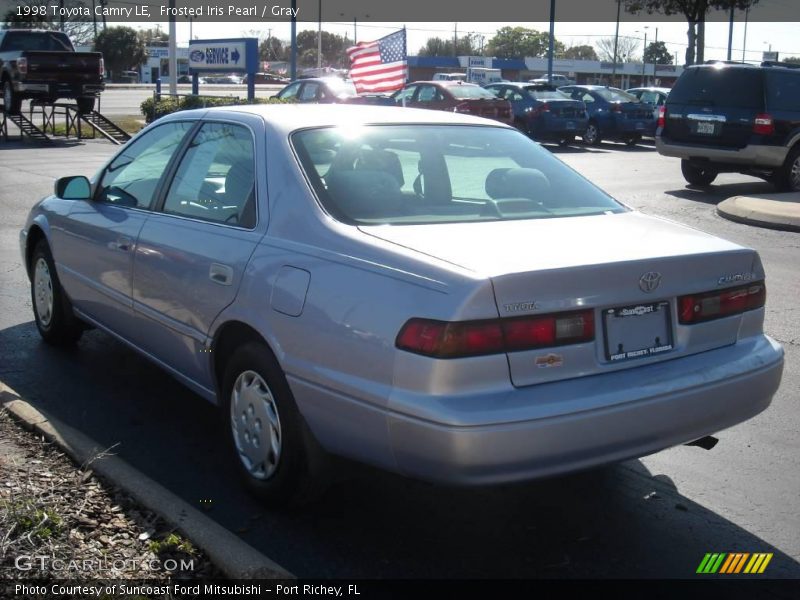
(157, 64)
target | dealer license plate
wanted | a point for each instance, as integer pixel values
(637, 331)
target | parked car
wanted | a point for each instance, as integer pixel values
(613, 114)
(656, 96)
(267, 78)
(350, 280)
(43, 65)
(734, 118)
(558, 80)
(455, 96)
(319, 90)
(543, 112)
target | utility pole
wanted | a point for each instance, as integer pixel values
(551, 43)
(644, 60)
(730, 33)
(355, 30)
(173, 51)
(455, 39)
(293, 41)
(744, 41)
(655, 61)
(319, 39)
(616, 42)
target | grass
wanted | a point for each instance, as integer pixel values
(171, 543)
(129, 123)
(26, 519)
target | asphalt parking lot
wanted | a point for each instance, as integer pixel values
(653, 517)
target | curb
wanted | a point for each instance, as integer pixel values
(771, 211)
(234, 557)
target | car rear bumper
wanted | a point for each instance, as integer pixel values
(626, 414)
(556, 128)
(750, 156)
(54, 90)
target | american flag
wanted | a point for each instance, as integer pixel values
(379, 66)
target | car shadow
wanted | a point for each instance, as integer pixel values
(25, 143)
(716, 193)
(618, 521)
(576, 148)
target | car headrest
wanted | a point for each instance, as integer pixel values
(363, 193)
(516, 183)
(381, 160)
(239, 182)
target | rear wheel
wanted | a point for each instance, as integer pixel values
(566, 140)
(522, 126)
(787, 178)
(11, 102)
(695, 175)
(592, 134)
(272, 449)
(85, 105)
(51, 308)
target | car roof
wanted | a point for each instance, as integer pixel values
(649, 89)
(291, 116)
(446, 83)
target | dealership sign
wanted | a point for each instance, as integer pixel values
(223, 56)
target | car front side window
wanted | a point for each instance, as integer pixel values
(215, 180)
(131, 179)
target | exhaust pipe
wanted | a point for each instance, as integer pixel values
(706, 443)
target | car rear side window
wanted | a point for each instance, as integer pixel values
(719, 86)
(783, 91)
(469, 92)
(215, 180)
(418, 174)
(132, 177)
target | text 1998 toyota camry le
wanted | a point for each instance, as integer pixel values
(431, 293)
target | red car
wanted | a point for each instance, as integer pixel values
(455, 96)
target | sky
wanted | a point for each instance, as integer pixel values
(780, 37)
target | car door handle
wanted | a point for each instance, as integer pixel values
(221, 274)
(122, 244)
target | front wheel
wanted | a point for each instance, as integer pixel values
(701, 176)
(12, 104)
(592, 135)
(271, 447)
(52, 310)
(633, 140)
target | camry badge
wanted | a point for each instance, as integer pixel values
(649, 281)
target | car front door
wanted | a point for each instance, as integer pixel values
(96, 246)
(194, 248)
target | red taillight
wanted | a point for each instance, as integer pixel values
(662, 116)
(763, 124)
(457, 339)
(696, 308)
(22, 65)
(102, 67)
(462, 107)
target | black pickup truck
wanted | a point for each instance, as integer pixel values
(44, 65)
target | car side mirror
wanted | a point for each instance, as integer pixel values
(73, 188)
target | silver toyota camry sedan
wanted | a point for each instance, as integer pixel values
(428, 292)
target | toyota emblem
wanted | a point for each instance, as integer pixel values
(649, 281)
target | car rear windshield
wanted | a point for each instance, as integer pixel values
(339, 86)
(420, 174)
(719, 86)
(615, 95)
(18, 41)
(545, 94)
(470, 92)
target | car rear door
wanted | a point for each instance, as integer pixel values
(714, 106)
(194, 248)
(95, 247)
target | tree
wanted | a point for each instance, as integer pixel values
(584, 52)
(694, 11)
(273, 49)
(656, 52)
(80, 32)
(792, 60)
(517, 42)
(333, 49)
(122, 49)
(468, 45)
(154, 37)
(626, 48)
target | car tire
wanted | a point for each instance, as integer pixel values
(566, 140)
(273, 451)
(522, 126)
(592, 135)
(633, 140)
(12, 104)
(52, 310)
(697, 175)
(787, 178)
(85, 105)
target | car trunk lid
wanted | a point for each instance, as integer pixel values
(595, 263)
(497, 109)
